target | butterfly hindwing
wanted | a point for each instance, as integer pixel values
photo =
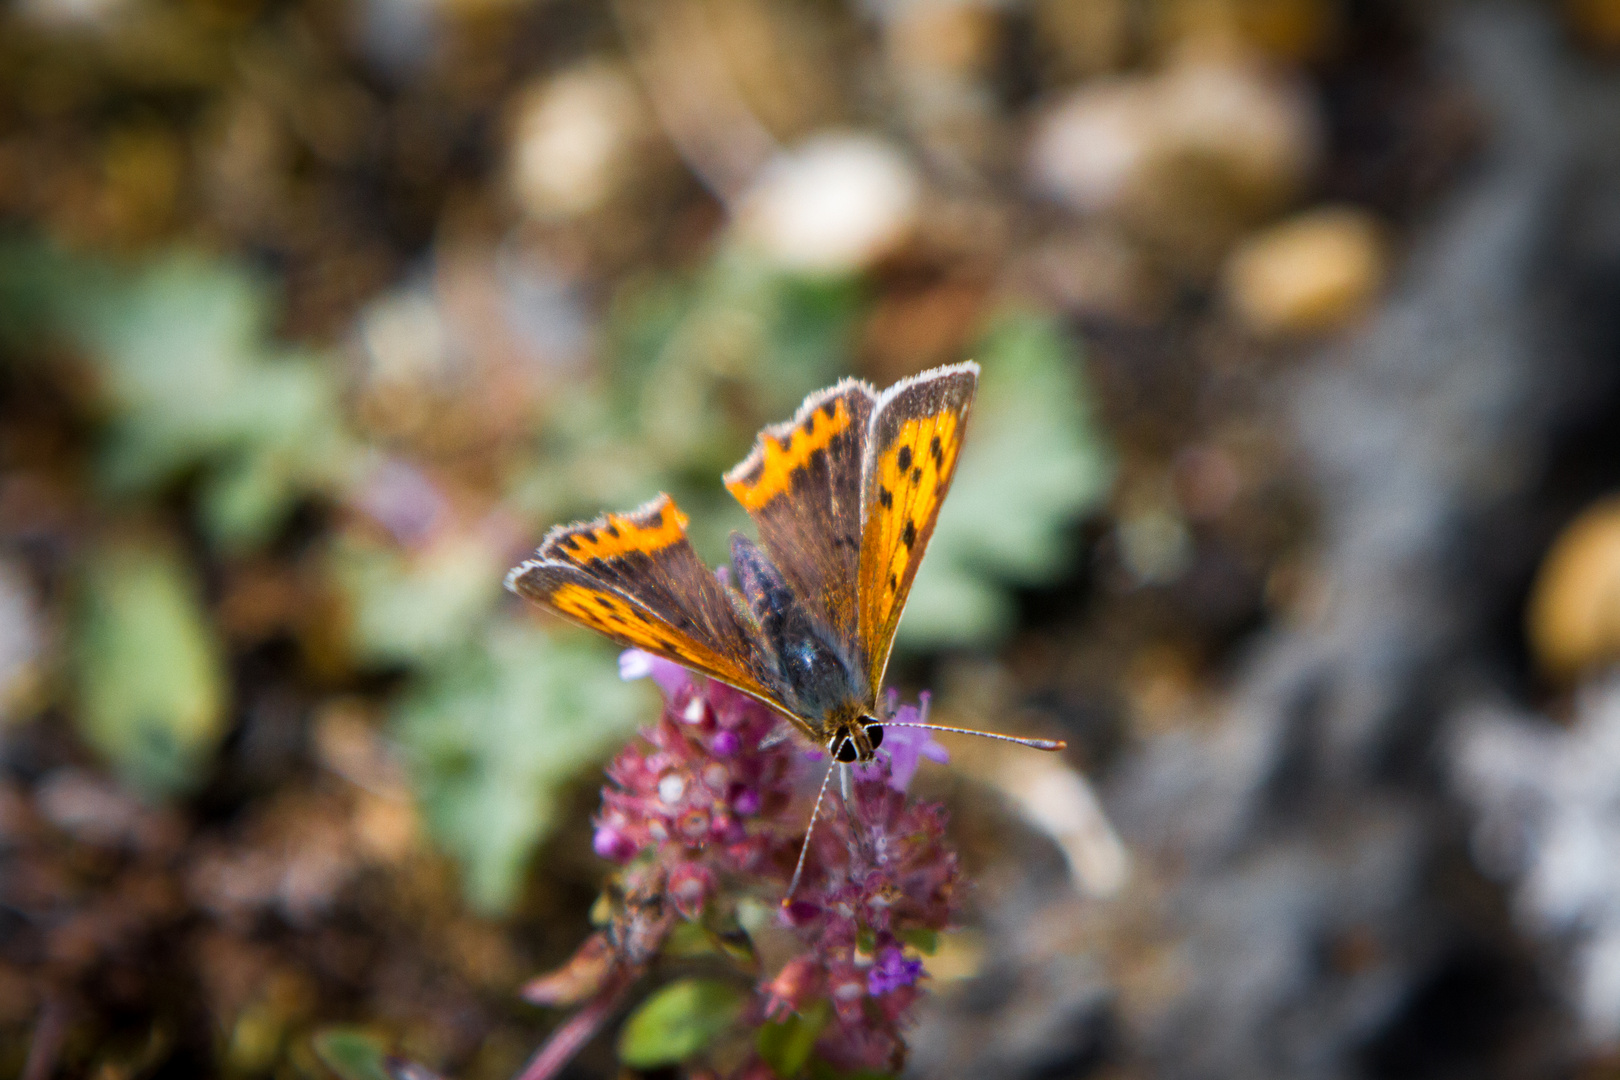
(635, 579)
(802, 486)
(914, 439)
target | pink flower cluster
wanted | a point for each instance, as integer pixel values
(701, 790)
(879, 877)
(705, 802)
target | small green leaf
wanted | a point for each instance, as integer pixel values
(787, 1046)
(688, 939)
(922, 939)
(678, 1021)
(417, 608)
(493, 730)
(352, 1053)
(150, 678)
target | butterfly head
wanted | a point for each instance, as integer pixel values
(856, 742)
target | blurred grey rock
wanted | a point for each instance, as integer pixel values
(1547, 801)
(1302, 859)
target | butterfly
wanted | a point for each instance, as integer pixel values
(845, 496)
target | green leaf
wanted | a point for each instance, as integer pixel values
(352, 1053)
(148, 669)
(1034, 463)
(922, 939)
(191, 380)
(417, 607)
(493, 731)
(678, 1021)
(687, 939)
(787, 1046)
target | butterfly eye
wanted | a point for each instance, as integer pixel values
(844, 749)
(874, 735)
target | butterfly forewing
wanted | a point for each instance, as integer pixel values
(912, 446)
(635, 579)
(802, 486)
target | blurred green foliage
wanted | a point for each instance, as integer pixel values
(188, 379)
(493, 732)
(150, 682)
(352, 1053)
(678, 1021)
(408, 610)
(786, 1045)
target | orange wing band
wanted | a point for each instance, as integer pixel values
(779, 457)
(912, 480)
(657, 526)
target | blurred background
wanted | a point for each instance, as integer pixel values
(1284, 504)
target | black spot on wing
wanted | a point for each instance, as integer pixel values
(909, 535)
(904, 458)
(885, 497)
(935, 449)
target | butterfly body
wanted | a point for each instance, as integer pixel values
(845, 496)
(818, 680)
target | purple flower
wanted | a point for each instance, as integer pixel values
(892, 971)
(877, 866)
(402, 500)
(610, 843)
(698, 790)
(906, 746)
(670, 676)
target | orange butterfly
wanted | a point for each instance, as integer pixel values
(845, 496)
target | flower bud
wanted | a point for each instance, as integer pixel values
(612, 844)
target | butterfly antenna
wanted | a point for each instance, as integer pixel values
(804, 848)
(1033, 744)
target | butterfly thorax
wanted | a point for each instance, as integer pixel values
(824, 687)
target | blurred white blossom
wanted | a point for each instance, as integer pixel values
(833, 205)
(1190, 157)
(575, 140)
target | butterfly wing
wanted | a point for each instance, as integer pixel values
(914, 438)
(802, 486)
(635, 579)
